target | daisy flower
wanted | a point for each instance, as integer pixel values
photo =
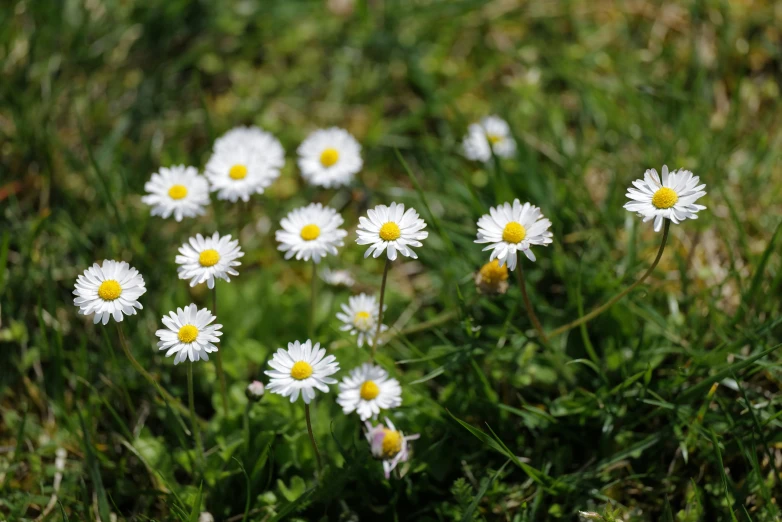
(329, 157)
(492, 278)
(311, 232)
(388, 444)
(109, 290)
(492, 132)
(359, 317)
(254, 391)
(367, 390)
(204, 259)
(391, 229)
(244, 162)
(177, 190)
(337, 277)
(189, 334)
(509, 228)
(300, 369)
(672, 198)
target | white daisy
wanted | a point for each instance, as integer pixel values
(177, 190)
(254, 391)
(244, 162)
(367, 390)
(311, 232)
(109, 290)
(189, 334)
(204, 259)
(359, 317)
(329, 157)
(492, 132)
(337, 277)
(388, 444)
(391, 228)
(509, 228)
(301, 368)
(672, 198)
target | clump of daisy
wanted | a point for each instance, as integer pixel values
(367, 390)
(301, 369)
(492, 278)
(245, 161)
(177, 190)
(491, 133)
(391, 230)
(337, 277)
(189, 334)
(329, 157)
(673, 197)
(509, 228)
(311, 232)
(388, 444)
(108, 290)
(359, 317)
(206, 259)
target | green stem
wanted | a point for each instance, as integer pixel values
(219, 359)
(380, 310)
(528, 304)
(313, 295)
(312, 437)
(193, 418)
(247, 425)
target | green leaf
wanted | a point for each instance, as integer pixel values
(467, 516)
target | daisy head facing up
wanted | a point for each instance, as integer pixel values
(206, 259)
(359, 317)
(108, 290)
(392, 230)
(388, 445)
(301, 369)
(177, 190)
(311, 232)
(367, 390)
(491, 133)
(509, 228)
(329, 158)
(671, 197)
(189, 334)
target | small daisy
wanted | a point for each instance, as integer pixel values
(189, 334)
(109, 290)
(337, 277)
(391, 228)
(177, 190)
(674, 198)
(204, 259)
(254, 391)
(367, 390)
(311, 232)
(492, 132)
(245, 161)
(492, 278)
(301, 368)
(509, 228)
(359, 317)
(329, 157)
(388, 444)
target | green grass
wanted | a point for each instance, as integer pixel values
(666, 407)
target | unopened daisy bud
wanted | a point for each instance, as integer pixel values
(492, 278)
(491, 133)
(388, 444)
(672, 197)
(254, 391)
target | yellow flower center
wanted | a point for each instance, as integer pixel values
(493, 138)
(392, 443)
(109, 290)
(310, 232)
(301, 370)
(362, 320)
(188, 333)
(369, 390)
(514, 232)
(329, 157)
(492, 273)
(209, 257)
(238, 172)
(665, 198)
(177, 191)
(390, 231)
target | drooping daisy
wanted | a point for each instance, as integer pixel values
(177, 190)
(388, 444)
(367, 390)
(189, 334)
(672, 198)
(109, 290)
(311, 232)
(264, 143)
(204, 259)
(492, 278)
(359, 317)
(492, 132)
(391, 229)
(329, 157)
(337, 277)
(300, 369)
(509, 228)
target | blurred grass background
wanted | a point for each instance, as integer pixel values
(97, 94)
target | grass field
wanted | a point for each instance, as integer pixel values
(666, 407)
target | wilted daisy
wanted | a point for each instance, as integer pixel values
(391, 229)
(492, 278)
(189, 334)
(311, 232)
(329, 157)
(337, 277)
(359, 317)
(388, 444)
(367, 390)
(509, 228)
(672, 198)
(177, 190)
(300, 369)
(109, 290)
(492, 132)
(204, 259)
